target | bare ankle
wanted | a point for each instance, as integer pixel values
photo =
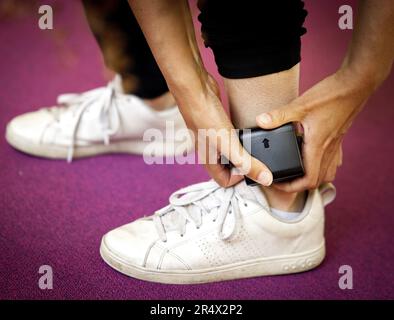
(163, 102)
(285, 201)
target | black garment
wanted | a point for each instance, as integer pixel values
(252, 38)
(124, 47)
(249, 38)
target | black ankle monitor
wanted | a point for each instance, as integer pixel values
(278, 149)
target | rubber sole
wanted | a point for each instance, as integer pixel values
(279, 265)
(136, 146)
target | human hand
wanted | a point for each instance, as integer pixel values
(324, 113)
(215, 136)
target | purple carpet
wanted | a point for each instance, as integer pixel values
(54, 213)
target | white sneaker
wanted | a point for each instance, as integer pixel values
(102, 120)
(208, 233)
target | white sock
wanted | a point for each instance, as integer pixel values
(285, 215)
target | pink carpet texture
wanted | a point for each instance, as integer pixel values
(54, 213)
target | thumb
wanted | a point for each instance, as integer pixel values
(275, 118)
(250, 166)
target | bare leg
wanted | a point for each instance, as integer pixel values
(162, 102)
(126, 51)
(253, 96)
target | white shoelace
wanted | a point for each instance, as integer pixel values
(193, 203)
(79, 103)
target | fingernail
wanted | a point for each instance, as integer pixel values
(265, 178)
(265, 118)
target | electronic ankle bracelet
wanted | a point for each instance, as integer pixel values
(278, 149)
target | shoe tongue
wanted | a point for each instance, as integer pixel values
(253, 193)
(116, 83)
(171, 219)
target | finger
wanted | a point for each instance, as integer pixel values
(231, 148)
(223, 175)
(333, 163)
(340, 155)
(226, 143)
(331, 172)
(250, 166)
(312, 157)
(329, 160)
(275, 118)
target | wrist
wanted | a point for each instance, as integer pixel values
(364, 76)
(195, 92)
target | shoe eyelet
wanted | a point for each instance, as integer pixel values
(245, 204)
(181, 235)
(164, 241)
(197, 228)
